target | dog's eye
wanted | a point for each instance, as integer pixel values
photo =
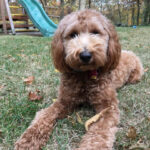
(73, 34)
(95, 32)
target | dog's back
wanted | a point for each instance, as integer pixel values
(129, 69)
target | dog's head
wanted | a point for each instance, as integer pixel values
(85, 40)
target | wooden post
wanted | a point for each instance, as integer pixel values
(2, 7)
(10, 17)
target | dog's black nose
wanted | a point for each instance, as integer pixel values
(85, 56)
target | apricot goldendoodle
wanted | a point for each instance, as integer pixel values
(86, 50)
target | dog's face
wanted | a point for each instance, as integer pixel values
(85, 40)
(86, 50)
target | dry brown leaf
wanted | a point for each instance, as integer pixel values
(71, 119)
(138, 146)
(9, 56)
(38, 91)
(79, 118)
(22, 50)
(0, 133)
(131, 132)
(1, 87)
(148, 118)
(54, 100)
(56, 70)
(96, 117)
(22, 55)
(33, 96)
(29, 80)
(147, 93)
(146, 69)
(14, 60)
(92, 120)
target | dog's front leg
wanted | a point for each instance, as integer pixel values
(39, 131)
(101, 134)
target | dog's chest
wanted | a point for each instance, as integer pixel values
(81, 88)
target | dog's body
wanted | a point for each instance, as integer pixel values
(81, 51)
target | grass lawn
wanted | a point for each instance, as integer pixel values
(24, 56)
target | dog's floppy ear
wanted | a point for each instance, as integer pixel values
(57, 52)
(114, 47)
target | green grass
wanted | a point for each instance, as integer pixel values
(23, 56)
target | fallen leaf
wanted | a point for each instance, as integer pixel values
(79, 118)
(0, 133)
(38, 91)
(136, 147)
(9, 56)
(96, 117)
(71, 120)
(1, 87)
(22, 55)
(14, 60)
(54, 100)
(22, 50)
(91, 120)
(33, 96)
(34, 54)
(56, 70)
(148, 118)
(29, 80)
(146, 69)
(131, 132)
(140, 145)
(147, 92)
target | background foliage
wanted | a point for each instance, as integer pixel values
(121, 12)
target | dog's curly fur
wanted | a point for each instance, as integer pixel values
(88, 31)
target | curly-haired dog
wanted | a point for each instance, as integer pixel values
(86, 50)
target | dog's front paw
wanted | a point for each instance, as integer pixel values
(29, 140)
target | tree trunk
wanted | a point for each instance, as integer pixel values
(43, 2)
(145, 16)
(89, 3)
(138, 11)
(119, 13)
(133, 17)
(149, 12)
(146, 12)
(62, 9)
(101, 7)
(73, 2)
(82, 4)
(127, 16)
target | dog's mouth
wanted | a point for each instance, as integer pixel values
(87, 67)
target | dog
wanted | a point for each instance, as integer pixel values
(87, 52)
